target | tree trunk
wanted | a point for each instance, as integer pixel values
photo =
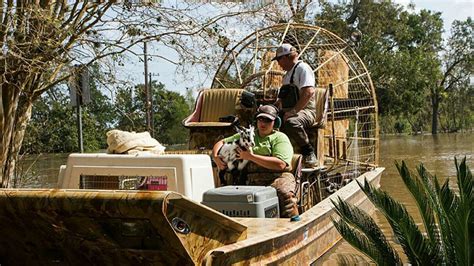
(10, 97)
(454, 111)
(23, 117)
(298, 10)
(15, 115)
(434, 117)
(2, 125)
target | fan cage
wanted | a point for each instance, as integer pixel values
(354, 147)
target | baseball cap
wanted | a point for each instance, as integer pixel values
(267, 111)
(284, 49)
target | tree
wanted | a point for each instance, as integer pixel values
(53, 124)
(455, 83)
(169, 109)
(448, 218)
(42, 40)
(131, 116)
(36, 40)
(457, 113)
(400, 49)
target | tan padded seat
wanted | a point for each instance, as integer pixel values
(316, 133)
(203, 124)
(213, 104)
(296, 165)
(321, 96)
(207, 124)
(217, 103)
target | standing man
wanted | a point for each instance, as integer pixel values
(296, 99)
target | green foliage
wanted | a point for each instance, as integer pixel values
(392, 124)
(169, 109)
(371, 241)
(404, 51)
(130, 110)
(53, 125)
(457, 105)
(447, 217)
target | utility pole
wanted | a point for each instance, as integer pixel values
(79, 90)
(152, 122)
(147, 92)
(79, 124)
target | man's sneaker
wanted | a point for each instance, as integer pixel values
(310, 160)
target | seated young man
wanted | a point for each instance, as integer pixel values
(272, 151)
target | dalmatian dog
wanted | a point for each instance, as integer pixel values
(228, 152)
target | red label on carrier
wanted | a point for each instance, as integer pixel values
(157, 183)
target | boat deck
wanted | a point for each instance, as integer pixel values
(280, 240)
(256, 227)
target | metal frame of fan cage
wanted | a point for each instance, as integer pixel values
(352, 112)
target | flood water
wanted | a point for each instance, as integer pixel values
(436, 152)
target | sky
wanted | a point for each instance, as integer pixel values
(450, 9)
(164, 72)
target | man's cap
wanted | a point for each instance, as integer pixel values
(268, 111)
(284, 49)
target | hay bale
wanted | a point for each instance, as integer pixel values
(334, 72)
(273, 78)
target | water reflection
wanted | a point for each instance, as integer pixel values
(40, 170)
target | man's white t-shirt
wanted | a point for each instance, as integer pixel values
(303, 77)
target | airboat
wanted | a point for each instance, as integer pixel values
(170, 208)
